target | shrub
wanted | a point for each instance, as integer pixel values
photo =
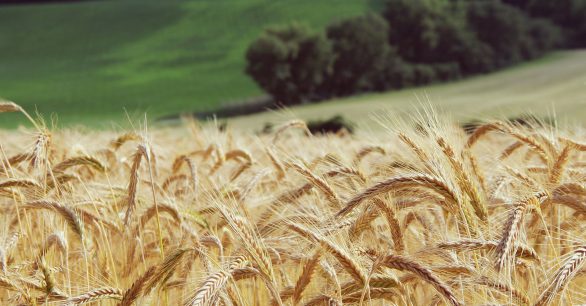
(502, 27)
(290, 63)
(415, 42)
(460, 45)
(542, 36)
(427, 32)
(447, 71)
(361, 50)
(474, 56)
(397, 74)
(333, 125)
(569, 14)
(412, 25)
(423, 74)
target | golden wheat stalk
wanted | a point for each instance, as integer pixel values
(322, 299)
(399, 183)
(291, 124)
(254, 245)
(501, 127)
(8, 107)
(522, 251)
(476, 170)
(11, 107)
(373, 294)
(504, 289)
(58, 239)
(366, 151)
(393, 223)
(141, 151)
(563, 276)
(305, 277)
(122, 139)
(165, 270)
(183, 159)
(21, 183)
(404, 264)
(214, 283)
(67, 213)
(508, 151)
(363, 221)
(344, 258)
(277, 164)
(375, 281)
(90, 161)
(95, 295)
(557, 169)
(137, 288)
(39, 155)
(318, 182)
(48, 277)
(464, 180)
(152, 211)
(576, 204)
(512, 226)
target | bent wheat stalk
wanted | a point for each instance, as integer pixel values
(563, 276)
(404, 264)
(397, 183)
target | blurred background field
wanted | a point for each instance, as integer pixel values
(107, 63)
(551, 86)
(88, 61)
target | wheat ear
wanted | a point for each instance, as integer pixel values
(557, 169)
(512, 226)
(291, 124)
(397, 183)
(141, 151)
(67, 213)
(404, 264)
(122, 139)
(563, 276)
(320, 183)
(11, 107)
(80, 161)
(95, 295)
(345, 259)
(137, 288)
(306, 275)
(213, 284)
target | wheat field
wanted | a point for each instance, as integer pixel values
(422, 214)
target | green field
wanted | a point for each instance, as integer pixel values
(90, 61)
(551, 86)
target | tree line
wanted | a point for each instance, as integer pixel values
(410, 43)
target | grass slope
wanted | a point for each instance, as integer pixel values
(88, 61)
(556, 82)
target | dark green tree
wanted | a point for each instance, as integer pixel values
(568, 14)
(502, 27)
(362, 52)
(413, 28)
(290, 63)
(542, 36)
(436, 33)
(458, 46)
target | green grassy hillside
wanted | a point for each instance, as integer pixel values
(88, 61)
(552, 86)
